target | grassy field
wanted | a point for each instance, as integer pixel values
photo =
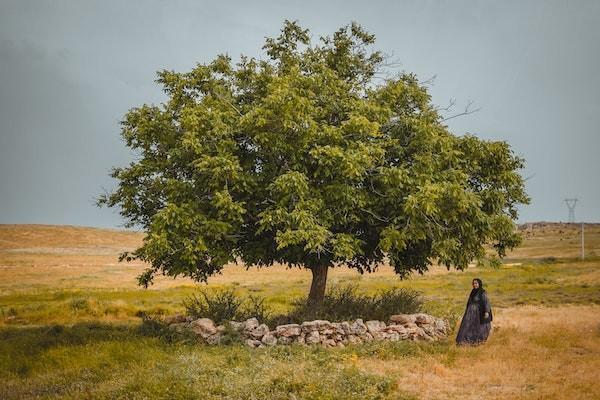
(68, 327)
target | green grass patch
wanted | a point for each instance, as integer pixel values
(107, 362)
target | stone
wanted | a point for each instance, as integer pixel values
(399, 330)
(203, 327)
(379, 335)
(175, 319)
(309, 326)
(429, 330)
(338, 328)
(312, 337)
(358, 328)
(416, 333)
(323, 325)
(317, 325)
(375, 326)
(302, 338)
(422, 319)
(402, 319)
(250, 324)
(395, 329)
(345, 326)
(411, 326)
(214, 339)
(259, 331)
(441, 325)
(340, 345)
(221, 328)
(328, 343)
(289, 330)
(269, 339)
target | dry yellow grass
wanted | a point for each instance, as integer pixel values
(532, 353)
(560, 240)
(47, 256)
(17, 236)
(37, 256)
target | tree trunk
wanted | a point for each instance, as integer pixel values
(317, 287)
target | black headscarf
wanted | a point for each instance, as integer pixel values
(482, 300)
(474, 292)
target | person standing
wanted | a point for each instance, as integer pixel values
(476, 323)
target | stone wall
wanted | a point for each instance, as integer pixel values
(329, 334)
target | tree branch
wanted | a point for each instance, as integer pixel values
(467, 111)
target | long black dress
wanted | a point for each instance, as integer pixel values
(474, 328)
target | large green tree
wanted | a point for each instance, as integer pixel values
(312, 159)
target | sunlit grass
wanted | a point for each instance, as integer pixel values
(548, 284)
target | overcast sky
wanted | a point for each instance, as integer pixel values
(69, 70)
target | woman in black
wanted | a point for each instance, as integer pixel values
(476, 322)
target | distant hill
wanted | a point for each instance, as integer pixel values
(29, 237)
(541, 240)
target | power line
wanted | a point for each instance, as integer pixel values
(571, 203)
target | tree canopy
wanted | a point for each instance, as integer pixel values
(310, 158)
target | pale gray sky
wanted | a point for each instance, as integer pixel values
(69, 70)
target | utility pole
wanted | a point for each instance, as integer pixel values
(571, 203)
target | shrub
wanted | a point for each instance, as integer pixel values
(345, 303)
(255, 307)
(395, 301)
(225, 305)
(219, 306)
